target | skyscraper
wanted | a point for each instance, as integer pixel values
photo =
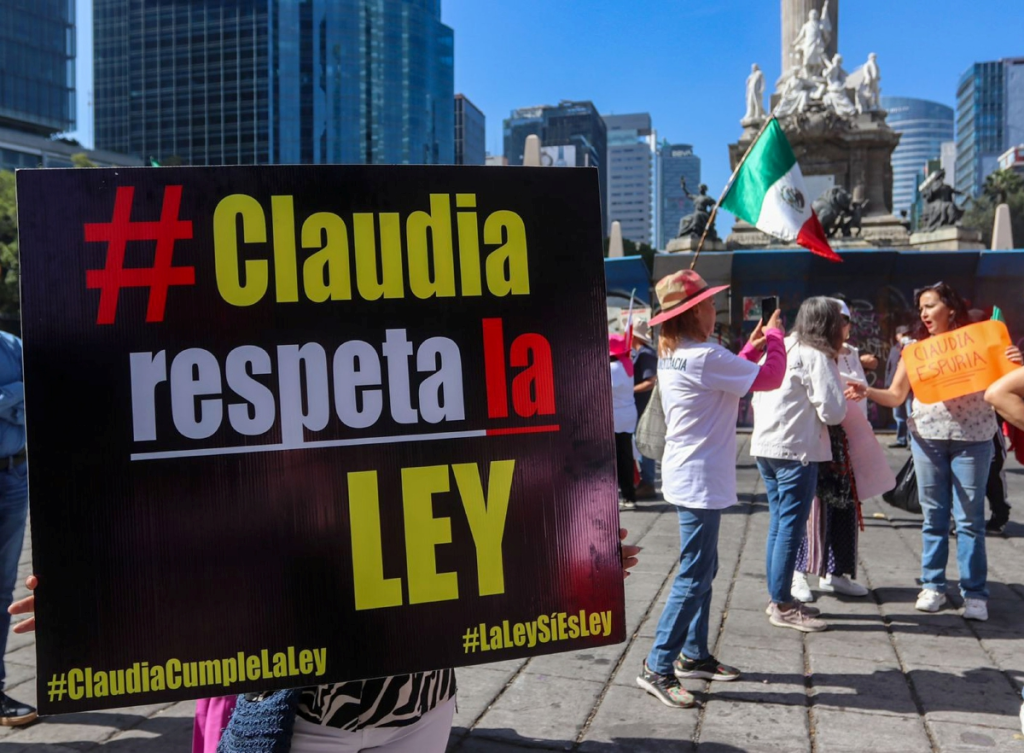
(924, 127)
(989, 119)
(576, 124)
(675, 161)
(37, 66)
(470, 133)
(631, 144)
(317, 81)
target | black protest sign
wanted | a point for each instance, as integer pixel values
(298, 425)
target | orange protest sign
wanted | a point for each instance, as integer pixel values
(958, 362)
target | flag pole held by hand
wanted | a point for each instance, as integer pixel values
(728, 185)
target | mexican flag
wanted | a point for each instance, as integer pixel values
(768, 192)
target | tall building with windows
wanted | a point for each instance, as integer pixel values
(37, 66)
(470, 133)
(631, 145)
(989, 119)
(273, 81)
(923, 126)
(577, 127)
(674, 162)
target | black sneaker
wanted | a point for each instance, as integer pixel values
(665, 688)
(14, 714)
(704, 669)
(996, 524)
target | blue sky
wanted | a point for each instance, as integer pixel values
(684, 62)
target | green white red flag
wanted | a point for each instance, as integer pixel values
(768, 192)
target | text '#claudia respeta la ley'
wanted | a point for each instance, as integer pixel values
(297, 386)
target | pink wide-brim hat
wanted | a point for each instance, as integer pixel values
(617, 345)
(680, 292)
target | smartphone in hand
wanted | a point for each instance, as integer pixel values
(768, 306)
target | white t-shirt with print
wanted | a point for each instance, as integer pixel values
(623, 404)
(701, 385)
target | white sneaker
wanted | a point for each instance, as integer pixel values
(840, 584)
(975, 609)
(801, 590)
(930, 600)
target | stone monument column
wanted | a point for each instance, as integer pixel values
(794, 14)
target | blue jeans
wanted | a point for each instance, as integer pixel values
(951, 477)
(13, 511)
(900, 414)
(683, 627)
(646, 470)
(790, 485)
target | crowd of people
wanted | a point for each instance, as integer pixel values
(817, 462)
(809, 445)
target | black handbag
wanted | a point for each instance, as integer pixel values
(904, 494)
(261, 723)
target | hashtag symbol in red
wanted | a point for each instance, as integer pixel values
(157, 278)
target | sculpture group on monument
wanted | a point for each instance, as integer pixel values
(839, 135)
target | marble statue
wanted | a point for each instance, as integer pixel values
(755, 95)
(869, 92)
(693, 224)
(832, 90)
(794, 94)
(940, 209)
(810, 42)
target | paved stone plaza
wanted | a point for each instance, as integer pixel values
(883, 678)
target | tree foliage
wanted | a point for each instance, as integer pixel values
(10, 266)
(81, 159)
(1001, 187)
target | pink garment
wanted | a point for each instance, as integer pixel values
(212, 715)
(871, 470)
(773, 370)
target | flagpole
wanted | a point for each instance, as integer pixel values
(728, 185)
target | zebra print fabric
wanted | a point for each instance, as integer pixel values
(383, 702)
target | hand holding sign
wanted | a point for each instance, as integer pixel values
(959, 362)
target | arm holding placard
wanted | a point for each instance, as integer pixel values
(1007, 396)
(897, 392)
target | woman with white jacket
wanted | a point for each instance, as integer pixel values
(790, 438)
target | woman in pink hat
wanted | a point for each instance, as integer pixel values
(701, 385)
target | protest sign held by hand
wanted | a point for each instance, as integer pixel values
(295, 425)
(958, 362)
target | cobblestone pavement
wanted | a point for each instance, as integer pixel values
(883, 678)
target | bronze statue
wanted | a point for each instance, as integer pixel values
(693, 224)
(838, 212)
(940, 208)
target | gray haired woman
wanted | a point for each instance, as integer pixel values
(790, 438)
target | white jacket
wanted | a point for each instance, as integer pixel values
(623, 403)
(790, 422)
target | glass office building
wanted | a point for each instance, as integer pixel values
(215, 82)
(569, 124)
(989, 119)
(37, 65)
(924, 127)
(675, 161)
(470, 133)
(631, 144)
